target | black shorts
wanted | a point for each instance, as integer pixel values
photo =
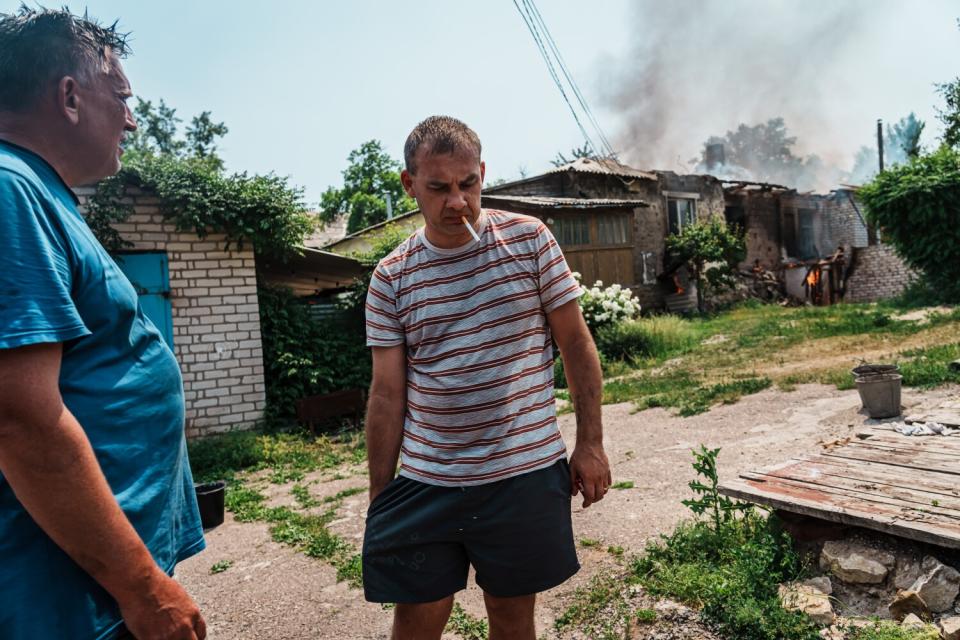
(421, 538)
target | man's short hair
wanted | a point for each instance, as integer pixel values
(40, 46)
(444, 135)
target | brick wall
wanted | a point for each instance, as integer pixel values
(878, 273)
(844, 221)
(216, 319)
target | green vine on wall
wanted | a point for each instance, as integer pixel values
(197, 196)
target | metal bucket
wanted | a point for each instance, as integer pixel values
(210, 502)
(865, 370)
(880, 394)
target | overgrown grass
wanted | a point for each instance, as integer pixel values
(465, 625)
(722, 357)
(930, 367)
(656, 337)
(732, 574)
(729, 564)
(681, 390)
(305, 531)
(288, 455)
(889, 630)
(600, 610)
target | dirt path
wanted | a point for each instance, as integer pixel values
(272, 592)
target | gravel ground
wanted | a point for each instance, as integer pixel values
(273, 592)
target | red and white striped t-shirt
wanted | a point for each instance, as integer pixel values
(480, 401)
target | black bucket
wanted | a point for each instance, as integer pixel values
(210, 502)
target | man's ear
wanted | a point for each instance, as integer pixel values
(407, 181)
(483, 171)
(68, 99)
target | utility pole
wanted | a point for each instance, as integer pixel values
(389, 200)
(880, 142)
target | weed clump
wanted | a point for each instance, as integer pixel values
(730, 564)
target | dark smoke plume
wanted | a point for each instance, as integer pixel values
(700, 68)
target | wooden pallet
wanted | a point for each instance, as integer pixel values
(907, 486)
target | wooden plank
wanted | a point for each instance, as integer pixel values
(948, 454)
(867, 501)
(898, 497)
(910, 459)
(908, 443)
(891, 436)
(809, 502)
(929, 482)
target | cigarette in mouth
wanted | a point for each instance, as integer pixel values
(470, 227)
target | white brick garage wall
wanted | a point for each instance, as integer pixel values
(216, 318)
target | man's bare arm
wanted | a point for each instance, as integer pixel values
(43, 449)
(385, 410)
(589, 468)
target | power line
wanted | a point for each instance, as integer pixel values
(573, 85)
(531, 26)
(535, 25)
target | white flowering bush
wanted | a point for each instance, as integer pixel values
(608, 306)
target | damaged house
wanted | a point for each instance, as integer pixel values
(820, 246)
(612, 221)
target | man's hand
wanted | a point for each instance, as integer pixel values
(589, 468)
(589, 473)
(162, 611)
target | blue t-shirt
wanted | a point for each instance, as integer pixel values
(120, 380)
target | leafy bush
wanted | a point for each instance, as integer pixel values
(303, 356)
(729, 565)
(711, 251)
(605, 307)
(654, 337)
(197, 195)
(919, 293)
(380, 247)
(917, 206)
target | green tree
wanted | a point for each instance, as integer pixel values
(187, 175)
(156, 130)
(202, 136)
(371, 175)
(765, 151)
(710, 250)
(950, 115)
(901, 141)
(917, 207)
(158, 134)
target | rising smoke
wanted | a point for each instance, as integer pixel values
(701, 68)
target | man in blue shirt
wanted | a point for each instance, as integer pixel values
(96, 497)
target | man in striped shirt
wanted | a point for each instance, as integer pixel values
(461, 322)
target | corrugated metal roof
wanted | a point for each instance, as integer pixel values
(564, 203)
(606, 166)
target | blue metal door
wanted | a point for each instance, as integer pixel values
(150, 277)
